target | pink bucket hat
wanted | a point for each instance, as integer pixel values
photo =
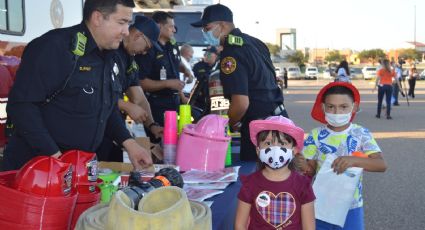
(279, 123)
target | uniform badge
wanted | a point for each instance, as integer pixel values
(115, 70)
(228, 65)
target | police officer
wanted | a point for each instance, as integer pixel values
(200, 100)
(143, 35)
(66, 89)
(247, 74)
(159, 70)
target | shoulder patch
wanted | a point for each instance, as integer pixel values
(228, 65)
(235, 40)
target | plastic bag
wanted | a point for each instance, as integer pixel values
(334, 193)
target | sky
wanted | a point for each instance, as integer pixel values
(333, 24)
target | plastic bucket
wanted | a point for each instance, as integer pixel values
(84, 202)
(20, 210)
(200, 152)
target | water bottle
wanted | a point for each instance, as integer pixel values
(163, 74)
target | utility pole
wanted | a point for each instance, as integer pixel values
(414, 27)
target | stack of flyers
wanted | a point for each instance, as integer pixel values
(198, 176)
(200, 185)
(201, 194)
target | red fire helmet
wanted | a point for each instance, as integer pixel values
(85, 167)
(45, 176)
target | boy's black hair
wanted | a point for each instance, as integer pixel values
(276, 135)
(106, 7)
(340, 90)
(161, 17)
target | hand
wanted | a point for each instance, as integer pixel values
(57, 155)
(137, 113)
(139, 156)
(340, 164)
(301, 163)
(175, 84)
(157, 131)
(188, 76)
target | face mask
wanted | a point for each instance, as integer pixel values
(210, 38)
(276, 157)
(338, 120)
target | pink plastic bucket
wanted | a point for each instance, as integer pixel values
(203, 146)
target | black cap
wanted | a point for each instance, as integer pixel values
(214, 13)
(211, 49)
(148, 27)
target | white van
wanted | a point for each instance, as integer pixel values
(369, 72)
(311, 73)
(294, 72)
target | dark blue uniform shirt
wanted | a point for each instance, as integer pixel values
(150, 67)
(129, 67)
(246, 69)
(79, 115)
(152, 62)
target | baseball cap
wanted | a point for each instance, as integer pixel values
(317, 112)
(211, 49)
(148, 27)
(278, 123)
(214, 13)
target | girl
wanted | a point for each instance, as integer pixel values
(276, 196)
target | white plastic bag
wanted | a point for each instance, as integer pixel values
(334, 193)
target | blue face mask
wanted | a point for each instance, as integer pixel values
(210, 38)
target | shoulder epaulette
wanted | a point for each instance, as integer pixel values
(173, 41)
(132, 68)
(235, 40)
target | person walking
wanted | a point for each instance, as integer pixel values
(413, 75)
(384, 80)
(246, 72)
(285, 78)
(66, 90)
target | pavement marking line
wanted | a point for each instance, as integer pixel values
(401, 134)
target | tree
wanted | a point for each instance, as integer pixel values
(273, 49)
(372, 55)
(297, 57)
(410, 54)
(334, 56)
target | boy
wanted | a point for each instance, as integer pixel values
(336, 106)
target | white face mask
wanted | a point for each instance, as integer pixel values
(276, 157)
(338, 120)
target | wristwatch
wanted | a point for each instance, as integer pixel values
(153, 124)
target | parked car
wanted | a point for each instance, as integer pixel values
(328, 74)
(369, 72)
(356, 73)
(422, 75)
(311, 73)
(294, 72)
(278, 71)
